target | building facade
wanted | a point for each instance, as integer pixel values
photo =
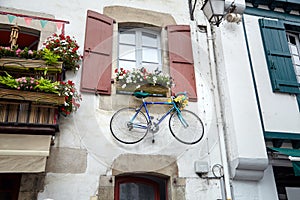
(242, 80)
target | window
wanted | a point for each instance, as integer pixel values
(139, 48)
(27, 37)
(279, 59)
(140, 187)
(294, 46)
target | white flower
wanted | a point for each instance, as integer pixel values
(124, 86)
(138, 86)
(66, 104)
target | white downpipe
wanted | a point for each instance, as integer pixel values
(215, 80)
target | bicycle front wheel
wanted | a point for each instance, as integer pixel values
(186, 127)
(129, 126)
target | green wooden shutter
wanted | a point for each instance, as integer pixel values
(280, 65)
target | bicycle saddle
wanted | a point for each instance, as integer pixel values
(141, 94)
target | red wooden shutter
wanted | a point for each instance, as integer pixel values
(97, 56)
(181, 60)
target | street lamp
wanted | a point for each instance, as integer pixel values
(214, 11)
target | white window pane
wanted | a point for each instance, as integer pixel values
(126, 52)
(127, 65)
(296, 60)
(127, 37)
(150, 55)
(297, 69)
(149, 40)
(293, 49)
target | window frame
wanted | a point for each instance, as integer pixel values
(135, 179)
(297, 41)
(138, 32)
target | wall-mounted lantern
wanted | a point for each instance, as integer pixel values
(216, 10)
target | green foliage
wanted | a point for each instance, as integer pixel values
(49, 57)
(46, 85)
(9, 81)
(65, 89)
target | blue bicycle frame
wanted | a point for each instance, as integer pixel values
(144, 105)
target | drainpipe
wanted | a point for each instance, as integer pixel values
(218, 110)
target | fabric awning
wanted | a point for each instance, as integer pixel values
(23, 153)
(291, 153)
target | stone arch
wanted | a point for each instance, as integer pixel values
(155, 165)
(127, 14)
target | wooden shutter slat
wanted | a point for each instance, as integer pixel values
(181, 60)
(97, 57)
(280, 65)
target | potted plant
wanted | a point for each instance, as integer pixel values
(63, 94)
(141, 79)
(66, 48)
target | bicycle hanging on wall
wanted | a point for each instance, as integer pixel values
(131, 125)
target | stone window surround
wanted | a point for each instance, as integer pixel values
(135, 164)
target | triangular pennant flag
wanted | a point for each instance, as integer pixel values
(59, 25)
(11, 18)
(43, 23)
(28, 20)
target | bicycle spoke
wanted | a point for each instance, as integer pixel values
(129, 129)
(186, 127)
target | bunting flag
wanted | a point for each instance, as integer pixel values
(43, 23)
(11, 18)
(59, 25)
(27, 20)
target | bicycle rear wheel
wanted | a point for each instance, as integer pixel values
(129, 126)
(186, 127)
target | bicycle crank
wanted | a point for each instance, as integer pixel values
(154, 128)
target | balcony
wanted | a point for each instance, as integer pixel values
(29, 112)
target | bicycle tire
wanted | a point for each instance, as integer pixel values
(191, 134)
(125, 131)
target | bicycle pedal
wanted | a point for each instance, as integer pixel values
(151, 117)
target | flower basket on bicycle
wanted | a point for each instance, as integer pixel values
(181, 101)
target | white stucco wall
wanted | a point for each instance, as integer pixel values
(88, 129)
(280, 111)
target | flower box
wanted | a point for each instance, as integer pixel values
(38, 97)
(28, 64)
(156, 90)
